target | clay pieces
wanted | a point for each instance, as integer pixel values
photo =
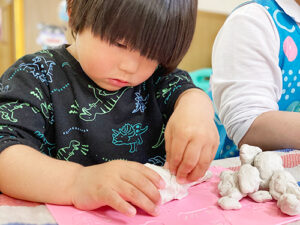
(173, 190)
(261, 177)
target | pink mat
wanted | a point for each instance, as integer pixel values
(199, 207)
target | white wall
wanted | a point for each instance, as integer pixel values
(219, 6)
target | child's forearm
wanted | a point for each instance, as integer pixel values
(274, 130)
(199, 98)
(191, 136)
(30, 175)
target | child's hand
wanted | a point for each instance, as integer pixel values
(191, 136)
(119, 184)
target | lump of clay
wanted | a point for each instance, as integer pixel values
(249, 180)
(229, 189)
(228, 185)
(248, 153)
(229, 203)
(289, 204)
(228, 182)
(173, 190)
(261, 196)
(282, 182)
(265, 180)
(267, 163)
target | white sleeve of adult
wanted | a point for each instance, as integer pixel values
(246, 80)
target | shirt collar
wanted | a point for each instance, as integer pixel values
(290, 7)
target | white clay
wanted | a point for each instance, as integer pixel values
(289, 204)
(248, 178)
(265, 180)
(227, 182)
(228, 185)
(173, 190)
(228, 203)
(282, 182)
(229, 189)
(248, 153)
(267, 163)
(261, 196)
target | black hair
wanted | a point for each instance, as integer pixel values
(161, 30)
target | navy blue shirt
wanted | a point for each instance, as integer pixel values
(49, 103)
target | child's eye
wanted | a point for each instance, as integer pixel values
(120, 45)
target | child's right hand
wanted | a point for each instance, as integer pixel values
(119, 184)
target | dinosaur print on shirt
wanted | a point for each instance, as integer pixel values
(7, 110)
(74, 146)
(129, 135)
(105, 102)
(40, 68)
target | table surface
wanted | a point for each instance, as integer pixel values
(13, 211)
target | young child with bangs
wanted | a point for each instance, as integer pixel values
(79, 121)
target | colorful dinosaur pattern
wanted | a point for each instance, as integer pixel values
(172, 87)
(47, 109)
(140, 102)
(105, 102)
(7, 129)
(74, 146)
(46, 145)
(7, 110)
(157, 160)
(129, 135)
(40, 68)
(4, 88)
(161, 138)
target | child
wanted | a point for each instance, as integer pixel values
(103, 106)
(256, 76)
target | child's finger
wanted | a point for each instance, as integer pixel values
(202, 165)
(138, 198)
(168, 141)
(118, 203)
(153, 176)
(145, 185)
(178, 146)
(166, 165)
(198, 172)
(189, 162)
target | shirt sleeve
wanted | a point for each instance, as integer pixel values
(25, 108)
(169, 87)
(246, 80)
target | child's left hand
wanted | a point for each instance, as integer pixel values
(191, 136)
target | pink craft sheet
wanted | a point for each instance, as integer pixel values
(199, 207)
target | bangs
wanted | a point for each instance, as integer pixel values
(160, 30)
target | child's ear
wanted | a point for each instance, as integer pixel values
(69, 12)
(69, 7)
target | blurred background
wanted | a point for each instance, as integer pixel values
(27, 26)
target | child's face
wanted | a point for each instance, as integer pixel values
(110, 66)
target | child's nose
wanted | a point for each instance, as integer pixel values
(130, 63)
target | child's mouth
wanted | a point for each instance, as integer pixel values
(119, 83)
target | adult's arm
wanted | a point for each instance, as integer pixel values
(246, 80)
(274, 130)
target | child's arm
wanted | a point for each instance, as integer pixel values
(30, 175)
(191, 136)
(274, 130)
